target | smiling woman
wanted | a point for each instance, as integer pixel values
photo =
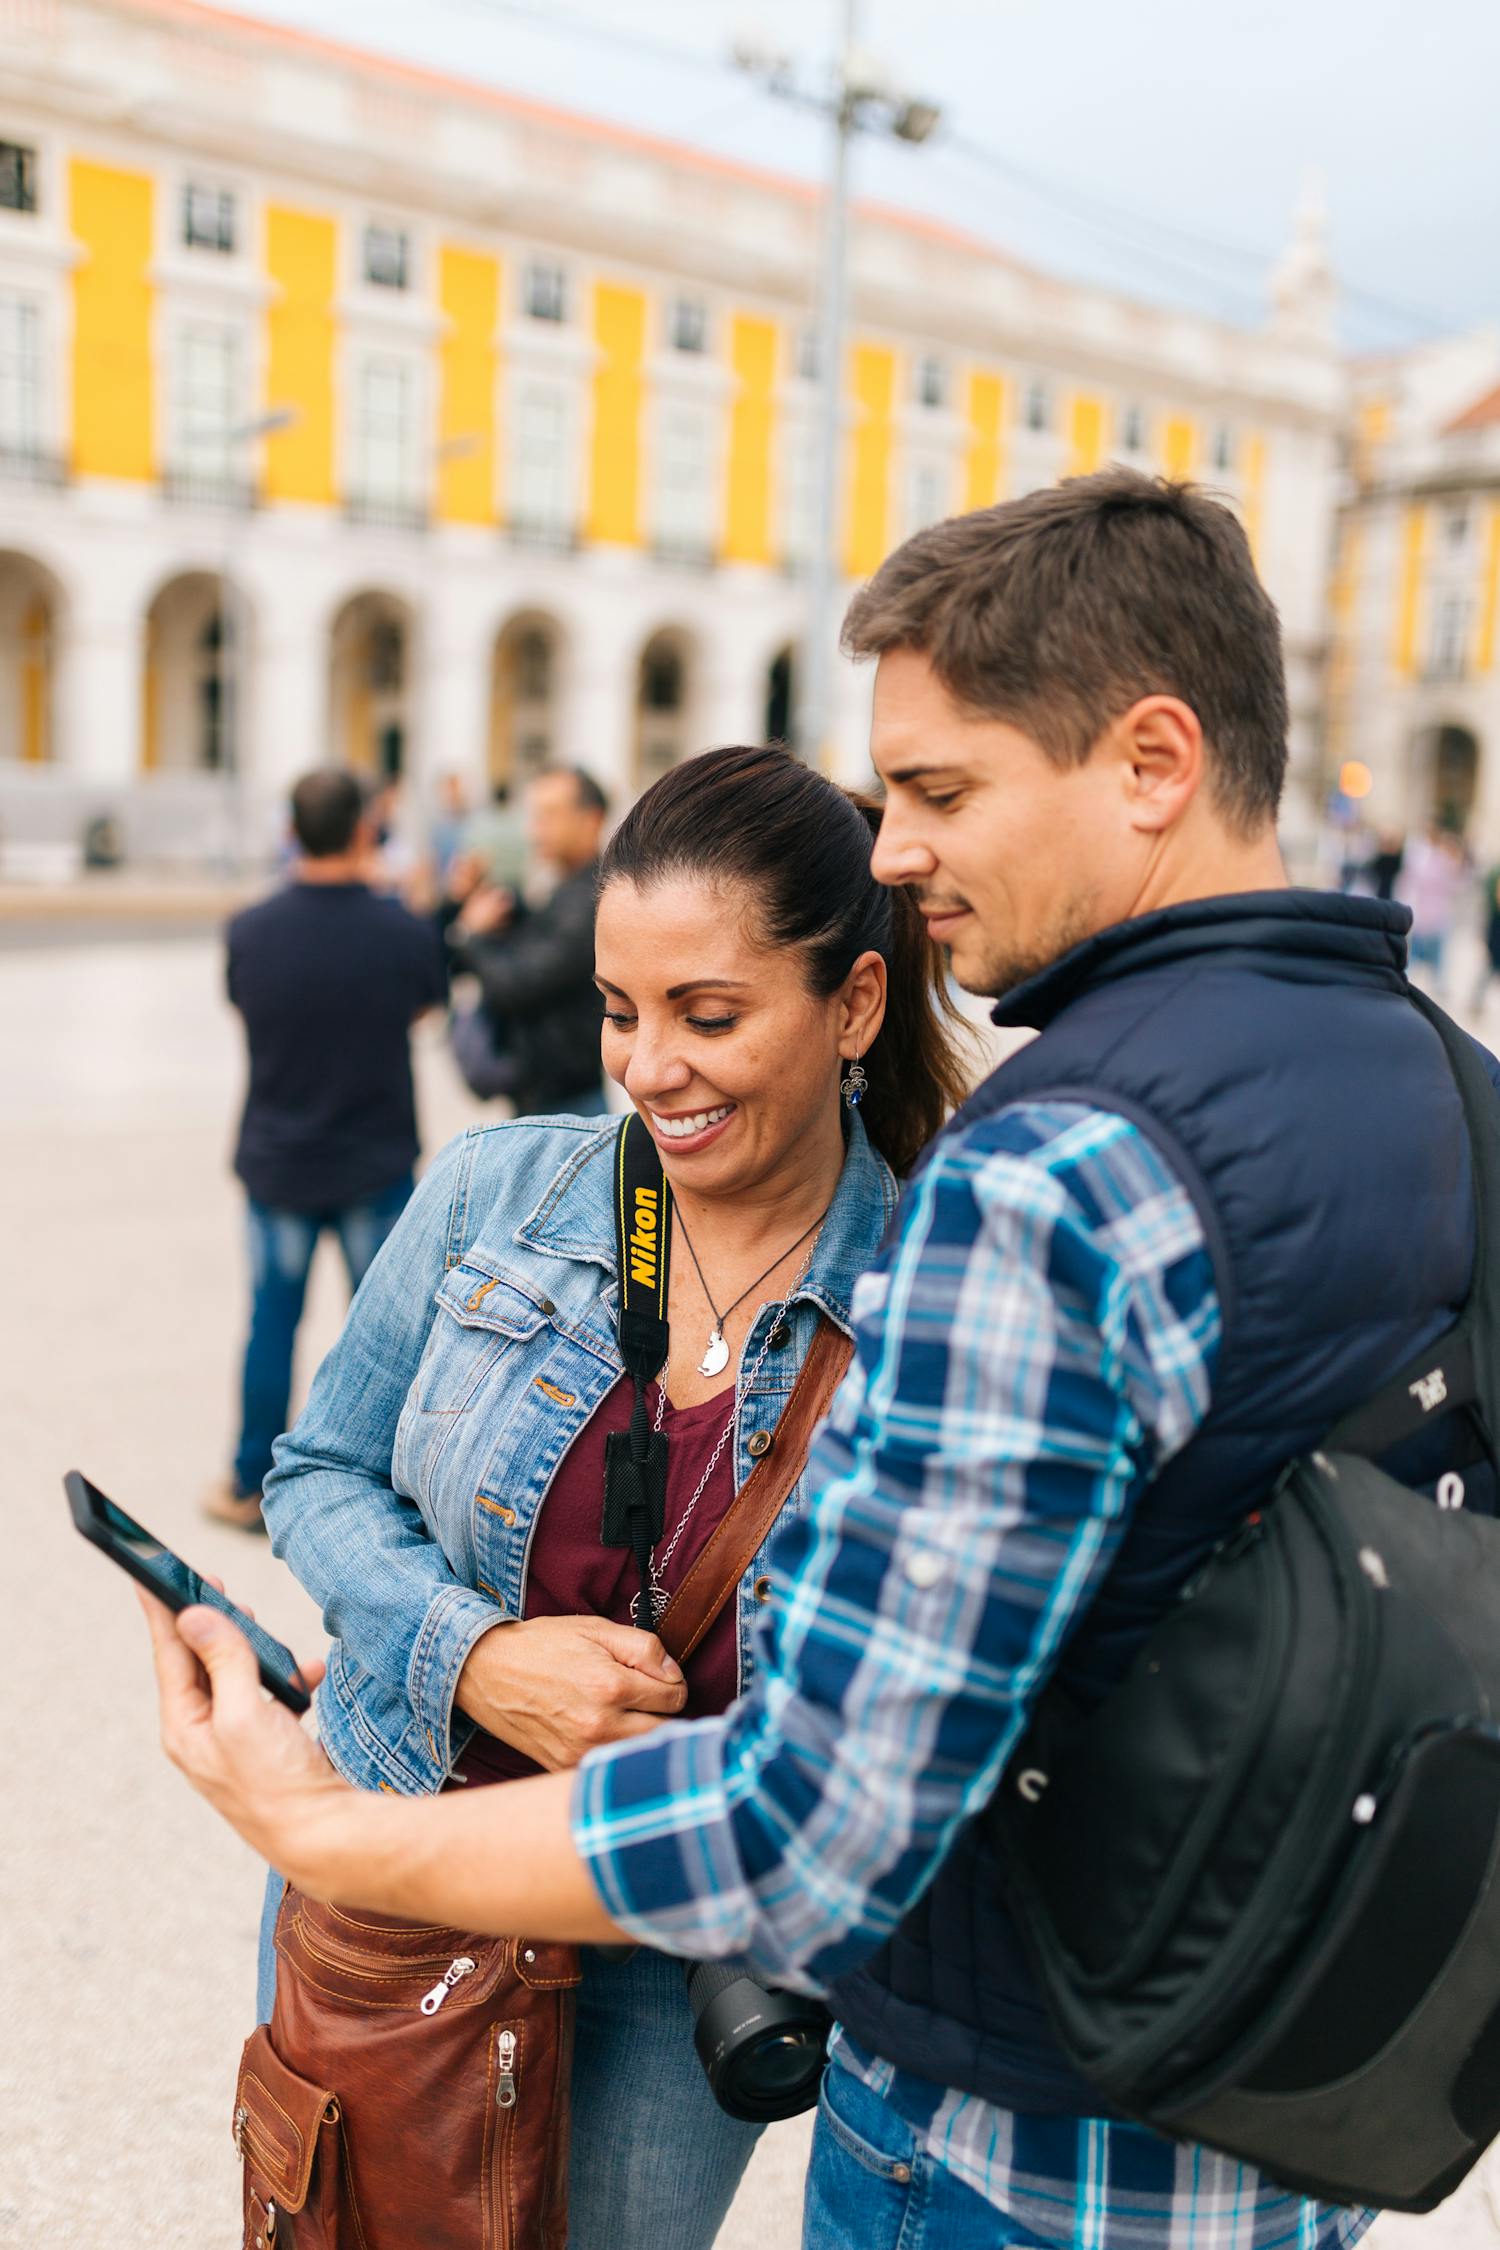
(443, 1495)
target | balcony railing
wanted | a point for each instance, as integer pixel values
(683, 554)
(385, 511)
(547, 532)
(29, 464)
(187, 487)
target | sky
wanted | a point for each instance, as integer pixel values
(1159, 146)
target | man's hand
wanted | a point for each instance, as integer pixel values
(488, 911)
(554, 1687)
(246, 1754)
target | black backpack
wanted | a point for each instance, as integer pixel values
(1260, 1883)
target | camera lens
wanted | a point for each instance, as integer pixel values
(763, 2049)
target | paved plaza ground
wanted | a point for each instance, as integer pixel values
(128, 1912)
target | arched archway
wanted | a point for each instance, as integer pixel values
(1445, 776)
(664, 693)
(370, 684)
(781, 695)
(525, 697)
(197, 651)
(30, 617)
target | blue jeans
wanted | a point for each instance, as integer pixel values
(281, 1255)
(655, 2161)
(871, 2187)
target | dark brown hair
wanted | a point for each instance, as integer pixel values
(801, 848)
(1059, 611)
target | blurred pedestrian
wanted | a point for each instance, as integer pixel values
(1434, 873)
(329, 978)
(1386, 862)
(449, 823)
(1491, 968)
(534, 1034)
(496, 837)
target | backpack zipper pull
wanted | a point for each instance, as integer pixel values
(505, 2092)
(452, 1975)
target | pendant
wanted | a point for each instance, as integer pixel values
(659, 1600)
(716, 1355)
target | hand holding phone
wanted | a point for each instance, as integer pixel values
(176, 1583)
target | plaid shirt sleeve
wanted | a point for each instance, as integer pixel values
(1036, 1341)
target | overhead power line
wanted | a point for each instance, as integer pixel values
(1184, 257)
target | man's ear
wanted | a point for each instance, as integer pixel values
(1160, 748)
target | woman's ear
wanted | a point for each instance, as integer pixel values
(863, 999)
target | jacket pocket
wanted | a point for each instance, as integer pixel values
(480, 1316)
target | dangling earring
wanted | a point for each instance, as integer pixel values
(853, 1086)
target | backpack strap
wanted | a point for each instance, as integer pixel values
(1457, 1372)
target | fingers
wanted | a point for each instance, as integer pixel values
(643, 1652)
(637, 1691)
(312, 1670)
(218, 1587)
(182, 1691)
(228, 1659)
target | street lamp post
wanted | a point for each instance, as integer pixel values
(242, 434)
(863, 100)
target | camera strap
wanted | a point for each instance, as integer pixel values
(635, 1460)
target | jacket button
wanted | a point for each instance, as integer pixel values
(901, 2174)
(762, 1589)
(761, 1442)
(548, 1307)
(779, 1337)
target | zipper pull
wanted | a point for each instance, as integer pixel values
(455, 1971)
(505, 2092)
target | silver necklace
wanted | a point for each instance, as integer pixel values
(716, 1352)
(659, 1595)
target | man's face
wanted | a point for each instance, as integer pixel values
(1013, 858)
(564, 831)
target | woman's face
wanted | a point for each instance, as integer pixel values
(732, 1061)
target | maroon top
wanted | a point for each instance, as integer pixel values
(572, 1574)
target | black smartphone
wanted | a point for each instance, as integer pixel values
(177, 1584)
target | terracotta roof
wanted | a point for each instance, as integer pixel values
(1482, 415)
(415, 77)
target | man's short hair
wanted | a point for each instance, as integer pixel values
(591, 797)
(1058, 611)
(326, 809)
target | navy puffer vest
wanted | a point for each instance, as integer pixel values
(1266, 1046)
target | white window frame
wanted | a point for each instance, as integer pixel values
(928, 495)
(404, 486)
(203, 451)
(200, 184)
(688, 318)
(684, 477)
(541, 493)
(394, 231)
(932, 377)
(24, 436)
(1038, 406)
(533, 267)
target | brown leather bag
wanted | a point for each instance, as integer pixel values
(412, 2085)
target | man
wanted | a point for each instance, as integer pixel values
(329, 979)
(536, 968)
(1133, 1278)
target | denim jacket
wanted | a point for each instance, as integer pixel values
(481, 1341)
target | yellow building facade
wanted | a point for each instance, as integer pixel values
(332, 458)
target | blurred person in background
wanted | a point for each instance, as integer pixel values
(495, 840)
(329, 978)
(1434, 874)
(450, 822)
(534, 1035)
(1491, 968)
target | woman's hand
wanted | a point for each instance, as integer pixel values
(554, 1687)
(244, 1753)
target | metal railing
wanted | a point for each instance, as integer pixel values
(187, 487)
(30, 464)
(386, 511)
(542, 531)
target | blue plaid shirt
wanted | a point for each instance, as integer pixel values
(1033, 1346)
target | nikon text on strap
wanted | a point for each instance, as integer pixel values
(635, 1460)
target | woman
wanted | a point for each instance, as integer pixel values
(441, 1494)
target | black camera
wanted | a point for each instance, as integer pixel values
(763, 2049)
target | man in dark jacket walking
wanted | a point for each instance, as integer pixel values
(329, 978)
(536, 968)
